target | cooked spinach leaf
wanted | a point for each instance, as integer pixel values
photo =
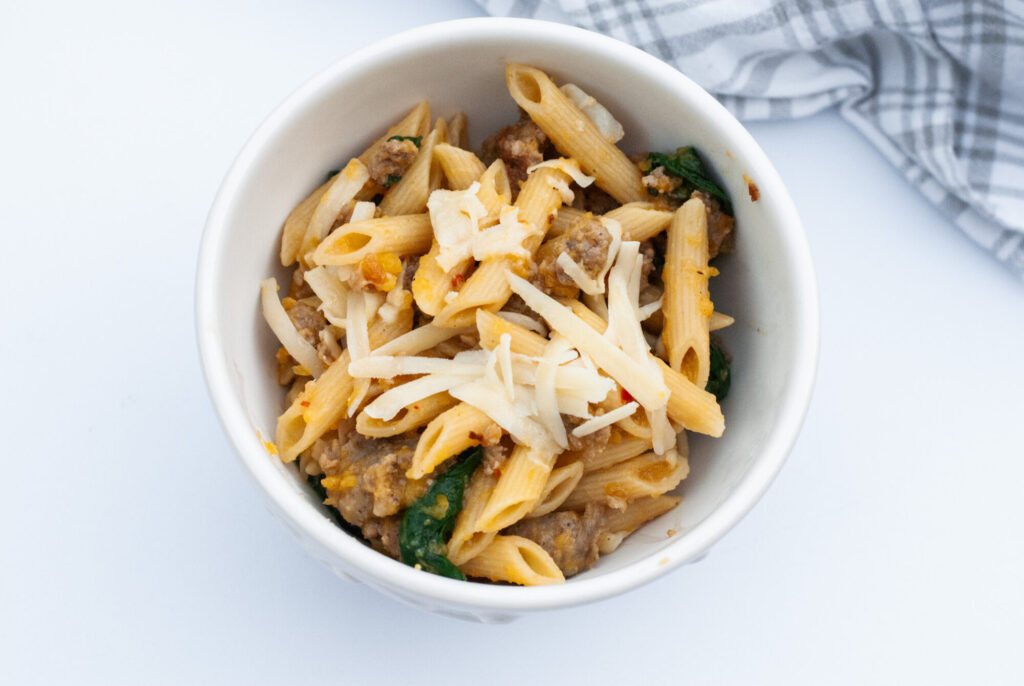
(391, 180)
(720, 376)
(331, 174)
(416, 140)
(686, 164)
(429, 521)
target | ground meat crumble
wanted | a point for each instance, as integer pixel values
(586, 242)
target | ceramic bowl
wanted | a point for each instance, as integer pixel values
(767, 284)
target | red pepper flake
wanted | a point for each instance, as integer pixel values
(474, 436)
(626, 397)
(415, 407)
(457, 280)
(497, 472)
(304, 403)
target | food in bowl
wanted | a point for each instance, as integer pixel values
(493, 360)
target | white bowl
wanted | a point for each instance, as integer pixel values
(768, 284)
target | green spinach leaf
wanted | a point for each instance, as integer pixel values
(428, 522)
(416, 140)
(391, 180)
(686, 164)
(720, 376)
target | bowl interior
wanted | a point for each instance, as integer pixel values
(341, 111)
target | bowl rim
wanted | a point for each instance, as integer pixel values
(377, 569)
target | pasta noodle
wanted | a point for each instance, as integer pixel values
(516, 560)
(687, 305)
(573, 133)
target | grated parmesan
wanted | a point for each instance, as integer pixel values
(282, 326)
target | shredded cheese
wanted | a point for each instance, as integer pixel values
(607, 419)
(568, 165)
(282, 326)
(455, 216)
(545, 394)
(572, 169)
(609, 127)
(504, 238)
(333, 294)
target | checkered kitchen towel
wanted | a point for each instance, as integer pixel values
(936, 85)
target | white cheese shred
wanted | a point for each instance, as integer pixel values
(357, 337)
(568, 165)
(545, 395)
(455, 216)
(282, 326)
(607, 419)
(333, 294)
(609, 127)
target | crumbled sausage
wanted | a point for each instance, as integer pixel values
(571, 538)
(308, 321)
(520, 145)
(372, 471)
(660, 182)
(382, 534)
(586, 242)
(587, 446)
(391, 160)
(721, 239)
(494, 457)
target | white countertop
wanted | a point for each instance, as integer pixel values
(135, 550)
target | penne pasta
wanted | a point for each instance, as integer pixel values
(295, 225)
(563, 220)
(640, 220)
(573, 133)
(467, 539)
(627, 447)
(460, 167)
(516, 560)
(343, 190)
(458, 134)
(400, 235)
(408, 418)
(448, 434)
(688, 307)
(519, 487)
(560, 484)
(523, 341)
(620, 524)
(638, 477)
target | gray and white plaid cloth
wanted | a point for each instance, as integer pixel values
(937, 86)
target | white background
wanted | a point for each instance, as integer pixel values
(133, 548)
